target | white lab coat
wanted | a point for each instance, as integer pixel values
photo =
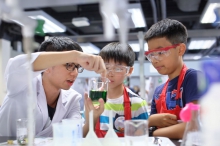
(15, 103)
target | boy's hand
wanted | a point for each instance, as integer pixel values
(92, 63)
(97, 111)
(164, 120)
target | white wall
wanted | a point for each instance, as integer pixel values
(134, 81)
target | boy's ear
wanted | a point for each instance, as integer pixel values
(130, 71)
(182, 49)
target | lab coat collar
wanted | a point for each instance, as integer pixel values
(42, 101)
(60, 109)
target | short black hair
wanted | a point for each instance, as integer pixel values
(114, 51)
(173, 30)
(59, 44)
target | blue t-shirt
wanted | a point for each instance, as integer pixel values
(188, 88)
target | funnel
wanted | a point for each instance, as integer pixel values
(111, 138)
(91, 138)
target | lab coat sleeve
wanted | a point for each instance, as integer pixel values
(75, 108)
(16, 73)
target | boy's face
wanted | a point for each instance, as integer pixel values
(116, 73)
(60, 77)
(165, 62)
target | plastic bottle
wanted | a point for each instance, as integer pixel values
(210, 104)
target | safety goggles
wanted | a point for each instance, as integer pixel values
(159, 54)
(117, 69)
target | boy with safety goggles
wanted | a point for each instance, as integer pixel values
(167, 44)
(121, 100)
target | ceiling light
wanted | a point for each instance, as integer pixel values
(196, 57)
(201, 43)
(192, 56)
(51, 25)
(137, 17)
(208, 15)
(80, 22)
(136, 46)
(89, 48)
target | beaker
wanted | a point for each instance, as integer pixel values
(98, 88)
(72, 131)
(136, 132)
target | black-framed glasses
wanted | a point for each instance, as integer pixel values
(73, 66)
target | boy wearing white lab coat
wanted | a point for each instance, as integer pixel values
(54, 72)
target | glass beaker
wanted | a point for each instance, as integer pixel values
(98, 88)
(22, 131)
(72, 131)
(57, 134)
(192, 134)
(136, 132)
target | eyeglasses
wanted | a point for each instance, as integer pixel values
(72, 67)
(159, 54)
(117, 69)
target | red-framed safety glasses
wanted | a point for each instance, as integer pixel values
(161, 49)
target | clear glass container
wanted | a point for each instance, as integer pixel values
(136, 132)
(192, 134)
(22, 131)
(98, 88)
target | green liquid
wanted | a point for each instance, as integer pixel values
(95, 95)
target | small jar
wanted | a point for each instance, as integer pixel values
(22, 131)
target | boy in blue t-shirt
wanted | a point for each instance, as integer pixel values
(167, 44)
